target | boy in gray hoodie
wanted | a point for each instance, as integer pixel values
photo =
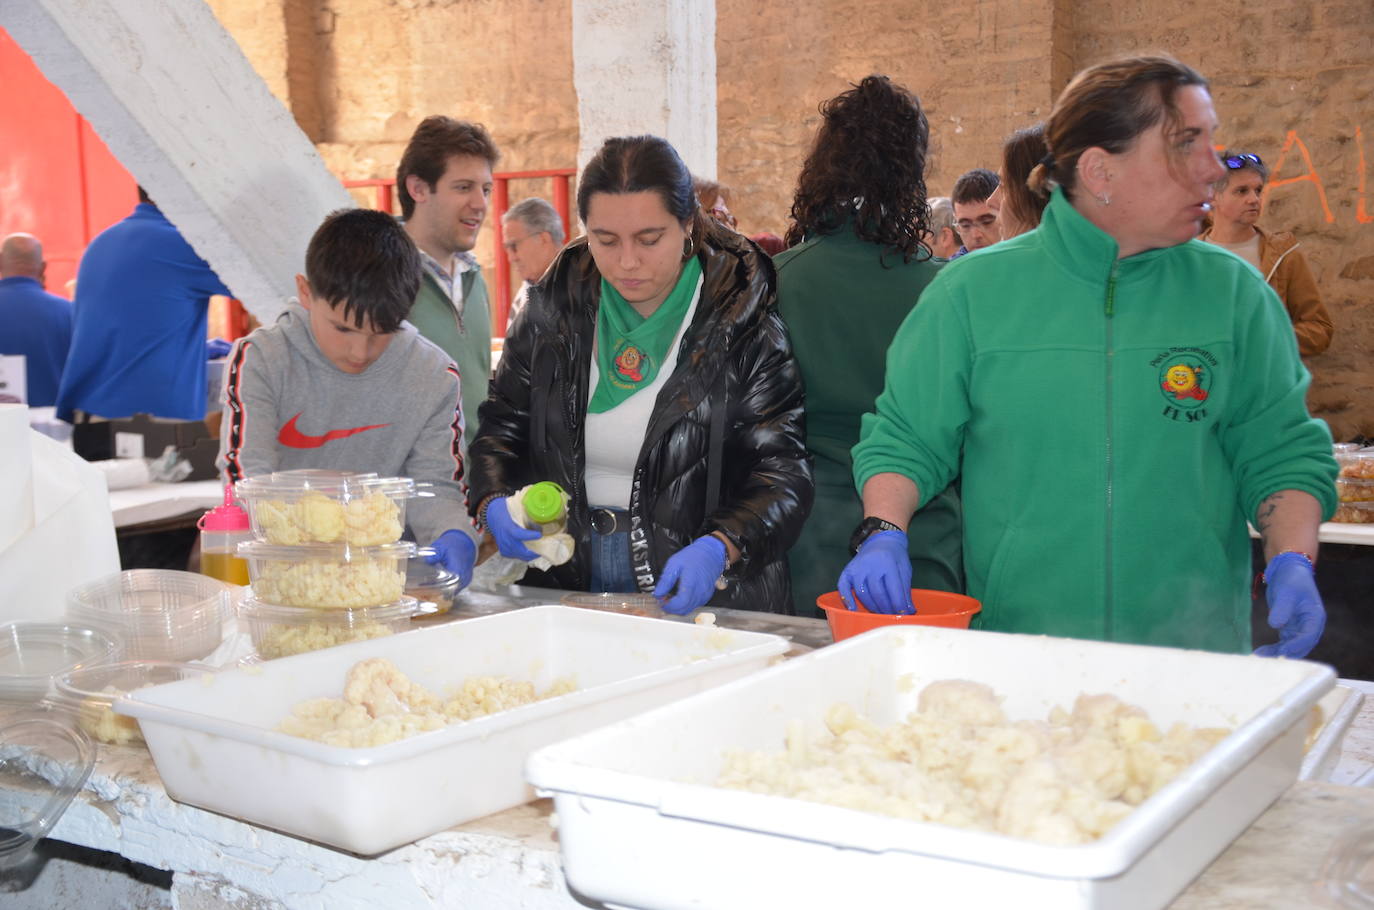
(343, 382)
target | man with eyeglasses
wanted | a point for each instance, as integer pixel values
(973, 216)
(1235, 209)
(533, 233)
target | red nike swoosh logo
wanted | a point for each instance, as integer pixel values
(290, 436)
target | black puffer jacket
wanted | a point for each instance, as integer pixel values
(735, 355)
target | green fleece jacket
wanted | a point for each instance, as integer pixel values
(1115, 422)
(469, 344)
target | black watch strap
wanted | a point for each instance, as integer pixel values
(866, 529)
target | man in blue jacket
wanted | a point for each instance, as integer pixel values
(33, 323)
(138, 336)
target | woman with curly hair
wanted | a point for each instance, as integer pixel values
(855, 267)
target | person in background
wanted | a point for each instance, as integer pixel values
(973, 216)
(1018, 209)
(858, 219)
(714, 198)
(533, 236)
(341, 382)
(651, 378)
(444, 182)
(769, 242)
(942, 236)
(139, 326)
(1118, 402)
(33, 323)
(1238, 205)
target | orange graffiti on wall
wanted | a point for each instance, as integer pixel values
(1312, 175)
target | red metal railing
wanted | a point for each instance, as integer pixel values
(500, 203)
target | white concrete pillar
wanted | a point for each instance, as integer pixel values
(180, 106)
(647, 66)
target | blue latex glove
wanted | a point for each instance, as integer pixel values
(510, 537)
(693, 571)
(216, 348)
(456, 552)
(879, 575)
(1295, 607)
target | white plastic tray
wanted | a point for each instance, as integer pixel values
(646, 781)
(214, 745)
(1338, 709)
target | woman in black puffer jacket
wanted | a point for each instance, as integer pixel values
(651, 377)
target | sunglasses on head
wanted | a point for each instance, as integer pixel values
(1235, 162)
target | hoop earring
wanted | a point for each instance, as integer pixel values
(688, 248)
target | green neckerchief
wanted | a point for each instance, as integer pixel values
(630, 348)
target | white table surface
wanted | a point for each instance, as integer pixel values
(160, 501)
(1340, 532)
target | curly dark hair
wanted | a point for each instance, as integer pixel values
(868, 162)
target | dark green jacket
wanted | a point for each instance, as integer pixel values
(469, 344)
(843, 299)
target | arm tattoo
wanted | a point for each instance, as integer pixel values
(1265, 513)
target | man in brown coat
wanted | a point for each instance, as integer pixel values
(1234, 213)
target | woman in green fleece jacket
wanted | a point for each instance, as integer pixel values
(1118, 400)
(857, 264)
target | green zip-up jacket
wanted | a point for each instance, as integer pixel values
(469, 344)
(1115, 422)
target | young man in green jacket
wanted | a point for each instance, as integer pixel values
(444, 182)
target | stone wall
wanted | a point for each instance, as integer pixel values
(1294, 83)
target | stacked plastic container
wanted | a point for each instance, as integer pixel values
(158, 614)
(326, 564)
(1355, 484)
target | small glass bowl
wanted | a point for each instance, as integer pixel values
(434, 586)
(33, 654)
(45, 759)
(327, 576)
(92, 692)
(280, 631)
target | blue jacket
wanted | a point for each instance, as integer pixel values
(138, 338)
(37, 325)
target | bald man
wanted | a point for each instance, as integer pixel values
(33, 322)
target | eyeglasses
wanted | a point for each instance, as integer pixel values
(1236, 162)
(983, 223)
(514, 244)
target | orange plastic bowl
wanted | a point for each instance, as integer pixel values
(933, 608)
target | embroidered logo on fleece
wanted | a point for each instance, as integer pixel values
(1185, 380)
(293, 438)
(631, 363)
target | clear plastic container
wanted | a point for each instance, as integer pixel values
(222, 529)
(1350, 489)
(279, 631)
(1356, 465)
(159, 614)
(327, 576)
(45, 759)
(33, 654)
(434, 586)
(1355, 513)
(631, 604)
(91, 693)
(313, 506)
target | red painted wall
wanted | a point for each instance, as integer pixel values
(58, 181)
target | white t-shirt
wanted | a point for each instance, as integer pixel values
(615, 437)
(1246, 249)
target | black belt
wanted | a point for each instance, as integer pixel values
(610, 521)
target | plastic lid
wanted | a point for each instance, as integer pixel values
(403, 608)
(544, 502)
(226, 517)
(336, 484)
(316, 552)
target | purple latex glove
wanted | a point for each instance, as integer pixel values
(216, 348)
(879, 575)
(1295, 607)
(456, 552)
(510, 537)
(693, 571)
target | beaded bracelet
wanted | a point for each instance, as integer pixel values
(1277, 556)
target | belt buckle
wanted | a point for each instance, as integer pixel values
(603, 521)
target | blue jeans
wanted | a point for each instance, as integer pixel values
(611, 569)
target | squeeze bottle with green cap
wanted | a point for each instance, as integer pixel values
(546, 509)
(221, 529)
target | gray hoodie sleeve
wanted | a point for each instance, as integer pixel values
(439, 458)
(248, 425)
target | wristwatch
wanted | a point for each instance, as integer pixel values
(866, 529)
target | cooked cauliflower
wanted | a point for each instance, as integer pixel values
(285, 640)
(97, 717)
(324, 584)
(367, 521)
(957, 760)
(381, 704)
